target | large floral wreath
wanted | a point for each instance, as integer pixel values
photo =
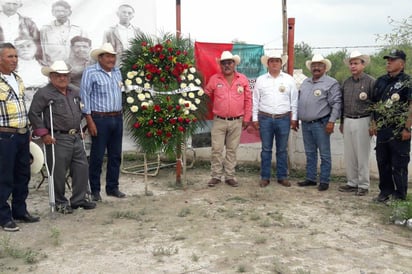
(164, 101)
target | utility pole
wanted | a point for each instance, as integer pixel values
(285, 27)
(178, 20)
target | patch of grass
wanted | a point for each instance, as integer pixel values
(55, 236)
(302, 271)
(254, 217)
(184, 212)
(237, 199)
(29, 256)
(194, 257)
(260, 240)
(241, 269)
(401, 210)
(179, 238)
(277, 216)
(165, 251)
(266, 223)
(131, 215)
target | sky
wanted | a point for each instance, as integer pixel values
(319, 23)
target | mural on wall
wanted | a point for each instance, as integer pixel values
(44, 31)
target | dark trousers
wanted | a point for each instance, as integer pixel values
(109, 136)
(392, 156)
(14, 174)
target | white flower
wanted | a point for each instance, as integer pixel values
(130, 100)
(147, 86)
(184, 94)
(200, 92)
(145, 104)
(363, 96)
(147, 95)
(185, 71)
(183, 85)
(141, 73)
(193, 107)
(187, 104)
(141, 97)
(186, 112)
(138, 90)
(197, 81)
(150, 102)
(128, 82)
(197, 101)
(134, 108)
(192, 86)
(395, 97)
(130, 75)
(191, 95)
(139, 80)
(181, 101)
(190, 77)
(182, 77)
(192, 70)
(388, 103)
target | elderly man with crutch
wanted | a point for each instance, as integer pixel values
(55, 115)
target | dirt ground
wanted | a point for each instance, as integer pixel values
(197, 229)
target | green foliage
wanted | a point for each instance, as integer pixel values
(401, 210)
(401, 33)
(303, 52)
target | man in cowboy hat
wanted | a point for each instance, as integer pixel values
(393, 140)
(355, 120)
(275, 104)
(14, 143)
(232, 109)
(101, 93)
(69, 153)
(319, 107)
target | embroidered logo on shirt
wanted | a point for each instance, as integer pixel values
(240, 89)
(282, 88)
(363, 96)
(398, 85)
(317, 92)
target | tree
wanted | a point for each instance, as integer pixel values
(303, 52)
(401, 33)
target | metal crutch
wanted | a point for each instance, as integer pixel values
(50, 173)
(89, 190)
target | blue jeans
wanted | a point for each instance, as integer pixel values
(109, 136)
(316, 139)
(279, 129)
(15, 175)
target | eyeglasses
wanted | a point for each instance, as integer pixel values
(226, 62)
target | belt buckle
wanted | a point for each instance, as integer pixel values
(72, 131)
(22, 130)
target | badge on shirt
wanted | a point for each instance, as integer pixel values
(363, 96)
(240, 89)
(398, 85)
(282, 88)
(317, 93)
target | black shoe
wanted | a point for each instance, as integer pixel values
(27, 218)
(96, 197)
(116, 193)
(348, 188)
(381, 198)
(323, 187)
(307, 183)
(85, 205)
(64, 209)
(10, 226)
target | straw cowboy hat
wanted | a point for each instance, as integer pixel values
(357, 55)
(105, 48)
(37, 158)
(57, 66)
(273, 55)
(227, 55)
(317, 58)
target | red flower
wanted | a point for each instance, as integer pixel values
(180, 119)
(149, 134)
(162, 79)
(180, 128)
(178, 107)
(187, 120)
(150, 122)
(168, 134)
(144, 107)
(158, 48)
(157, 108)
(160, 120)
(134, 67)
(173, 121)
(144, 43)
(159, 132)
(194, 120)
(161, 56)
(136, 125)
(169, 108)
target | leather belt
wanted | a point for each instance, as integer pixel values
(70, 131)
(316, 120)
(357, 116)
(229, 118)
(274, 116)
(23, 130)
(107, 114)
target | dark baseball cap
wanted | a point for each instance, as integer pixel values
(396, 54)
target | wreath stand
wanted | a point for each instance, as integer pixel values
(152, 167)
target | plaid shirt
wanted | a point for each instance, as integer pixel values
(13, 111)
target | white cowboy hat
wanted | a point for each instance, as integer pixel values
(57, 66)
(105, 48)
(273, 55)
(227, 55)
(37, 158)
(357, 55)
(317, 58)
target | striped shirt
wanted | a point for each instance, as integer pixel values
(101, 91)
(13, 111)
